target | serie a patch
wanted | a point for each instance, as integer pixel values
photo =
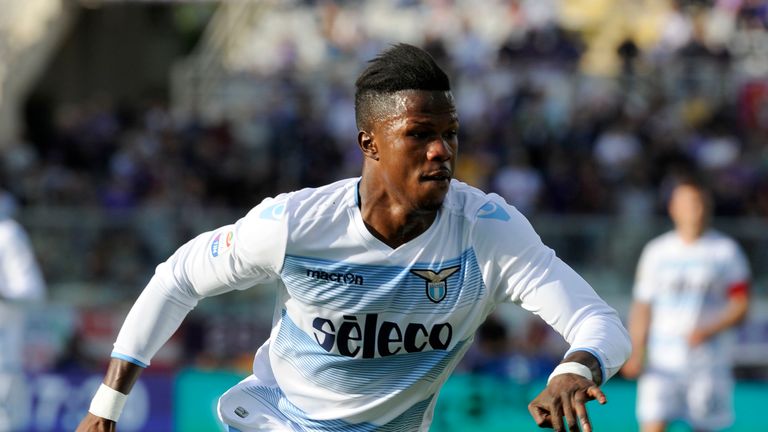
(221, 243)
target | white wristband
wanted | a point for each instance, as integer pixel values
(107, 403)
(571, 367)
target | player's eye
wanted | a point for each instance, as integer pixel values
(418, 134)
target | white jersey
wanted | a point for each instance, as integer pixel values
(20, 277)
(687, 286)
(364, 335)
(20, 281)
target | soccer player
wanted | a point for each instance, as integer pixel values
(20, 282)
(383, 280)
(691, 289)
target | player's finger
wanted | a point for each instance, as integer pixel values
(540, 415)
(556, 417)
(594, 392)
(569, 413)
(580, 406)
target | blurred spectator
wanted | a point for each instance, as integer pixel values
(516, 85)
(615, 149)
(20, 282)
(520, 184)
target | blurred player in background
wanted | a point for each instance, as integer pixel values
(383, 281)
(20, 282)
(691, 288)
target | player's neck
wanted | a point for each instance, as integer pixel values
(690, 234)
(390, 221)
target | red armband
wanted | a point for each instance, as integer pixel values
(738, 289)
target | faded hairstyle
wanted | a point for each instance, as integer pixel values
(401, 67)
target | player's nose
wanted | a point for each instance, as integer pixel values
(439, 149)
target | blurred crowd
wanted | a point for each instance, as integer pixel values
(534, 127)
(538, 125)
(541, 124)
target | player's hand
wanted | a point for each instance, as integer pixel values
(565, 396)
(633, 367)
(697, 337)
(91, 423)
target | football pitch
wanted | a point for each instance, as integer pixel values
(470, 402)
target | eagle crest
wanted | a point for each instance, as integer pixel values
(437, 284)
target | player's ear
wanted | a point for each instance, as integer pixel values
(368, 145)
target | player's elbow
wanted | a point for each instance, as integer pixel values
(625, 344)
(621, 345)
(620, 340)
(607, 335)
(741, 309)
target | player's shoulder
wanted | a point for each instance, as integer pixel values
(721, 241)
(491, 223)
(308, 203)
(312, 203)
(475, 204)
(662, 242)
(715, 235)
(10, 228)
(331, 191)
(464, 200)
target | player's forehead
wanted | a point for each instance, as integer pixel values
(688, 192)
(423, 107)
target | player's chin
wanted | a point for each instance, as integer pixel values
(435, 185)
(432, 198)
(431, 206)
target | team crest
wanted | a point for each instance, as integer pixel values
(437, 284)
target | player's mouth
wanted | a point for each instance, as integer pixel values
(439, 176)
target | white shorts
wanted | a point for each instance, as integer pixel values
(703, 400)
(242, 412)
(14, 401)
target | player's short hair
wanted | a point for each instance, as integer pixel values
(694, 182)
(697, 183)
(401, 67)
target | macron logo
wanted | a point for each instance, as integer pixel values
(344, 278)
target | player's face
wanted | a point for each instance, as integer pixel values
(688, 207)
(417, 145)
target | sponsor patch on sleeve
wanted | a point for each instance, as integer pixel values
(273, 212)
(491, 210)
(222, 242)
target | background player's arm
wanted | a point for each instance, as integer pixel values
(640, 313)
(639, 323)
(738, 275)
(733, 314)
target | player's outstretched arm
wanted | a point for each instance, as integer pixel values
(566, 395)
(107, 404)
(639, 323)
(734, 313)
